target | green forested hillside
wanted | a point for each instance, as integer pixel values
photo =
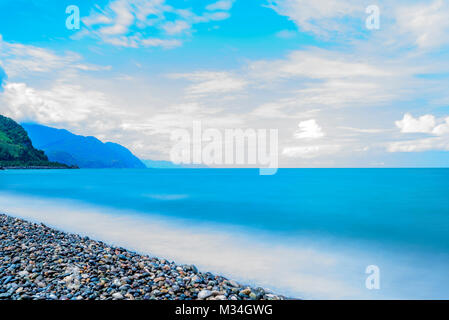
(16, 149)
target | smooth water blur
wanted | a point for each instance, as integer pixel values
(404, 206)
(398, 213)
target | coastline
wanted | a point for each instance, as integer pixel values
(36, 168)
(38, 262)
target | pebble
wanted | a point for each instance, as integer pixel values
(232, 283)
(117, 296)
(204, 294)
(37, 262)
(246, 291)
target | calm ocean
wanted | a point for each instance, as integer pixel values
(307, 233)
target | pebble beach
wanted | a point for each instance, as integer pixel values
(41, 263)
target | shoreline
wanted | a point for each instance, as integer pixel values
(36, 168)
(38, 262)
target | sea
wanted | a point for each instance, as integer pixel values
(303, 233)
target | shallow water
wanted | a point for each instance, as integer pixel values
(307, 233)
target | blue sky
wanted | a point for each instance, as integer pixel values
(339, 93)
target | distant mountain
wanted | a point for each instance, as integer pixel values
(16, 148)
(85, 152)
(155, 164)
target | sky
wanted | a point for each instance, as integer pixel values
(340, 92)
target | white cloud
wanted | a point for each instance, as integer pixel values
(360, 130)
(427, 23)
(176, 27)
(419, 145)
(164, 43)
(425, 124)
(317, 64)
(420, 23)
(285, 108)
(409, 124)
(429, 124)
(124, 18)
(125, 22)
(286, 34)
(220, 5)
(320, 78)
(211, 16)
(443, 128)
(207, 82)
(61, 104)
(309, 129)
(318, 16)
(22, 60)
(308, 152)
(346, 93)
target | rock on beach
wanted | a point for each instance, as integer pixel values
(38, 262)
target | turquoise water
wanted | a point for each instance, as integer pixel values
(379, 215)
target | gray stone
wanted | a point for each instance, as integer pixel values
(204, 294)
(117, 296)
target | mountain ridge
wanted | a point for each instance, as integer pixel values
(84, 151)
